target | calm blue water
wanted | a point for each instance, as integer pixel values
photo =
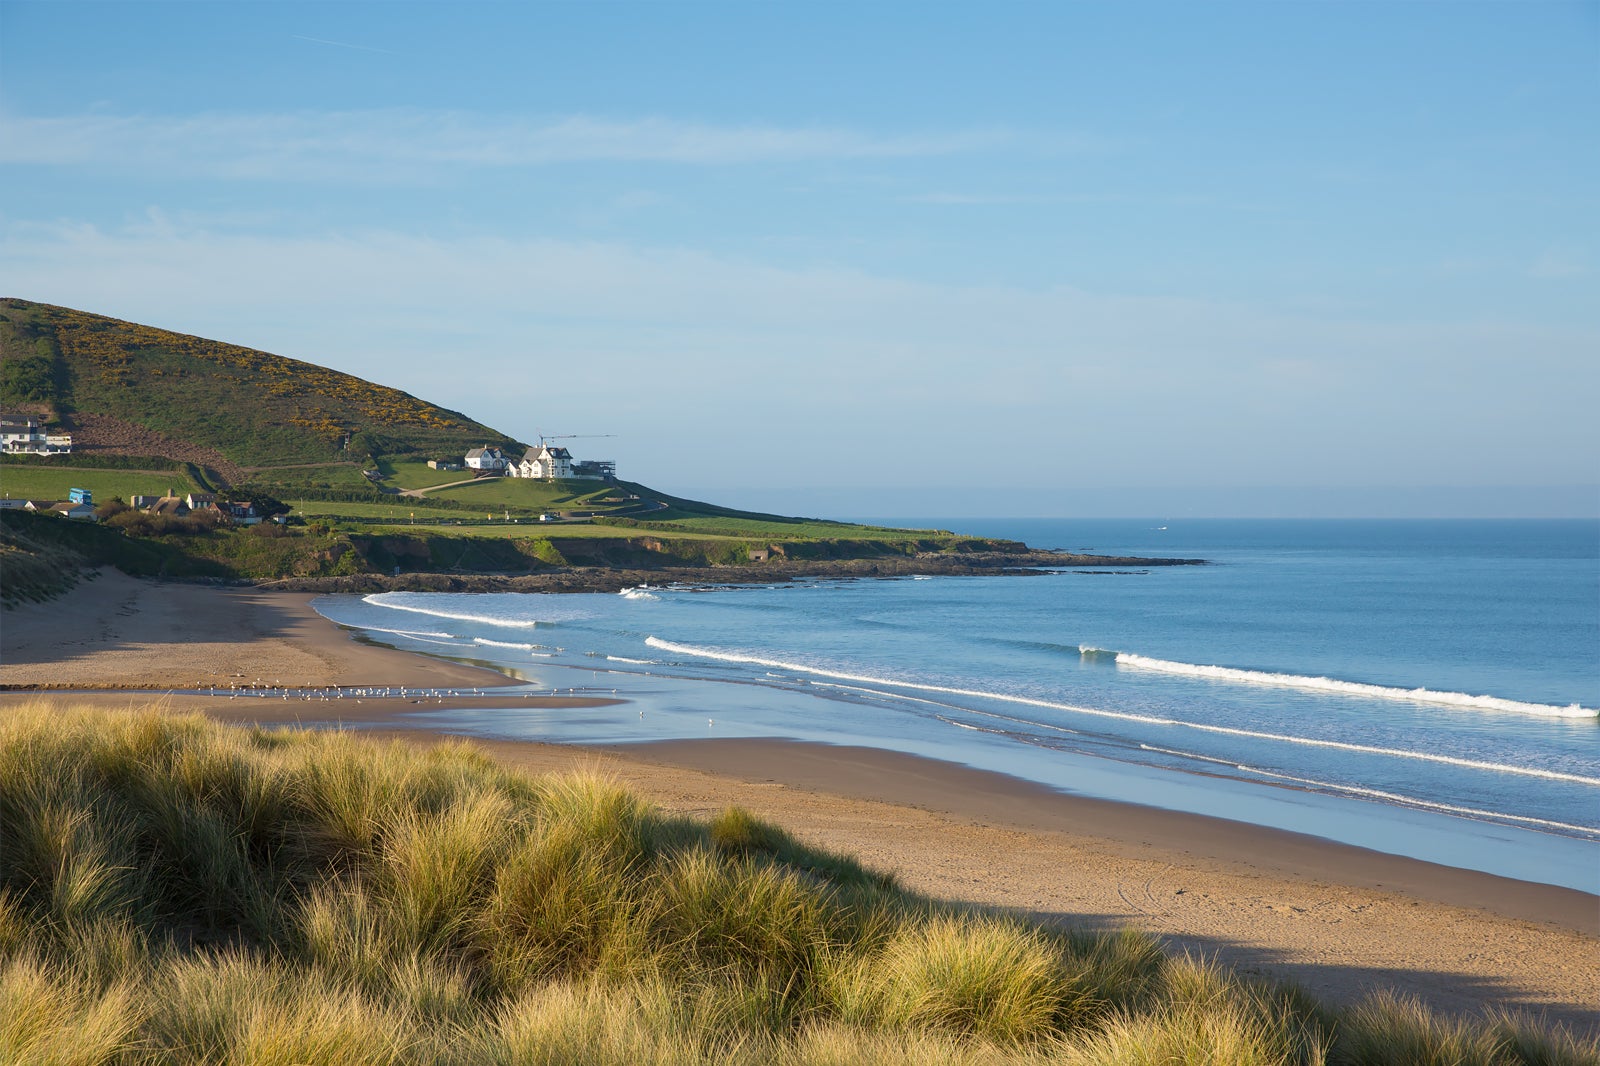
(1426, 688)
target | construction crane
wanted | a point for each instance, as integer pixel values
(545, 438)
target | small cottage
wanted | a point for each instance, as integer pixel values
(23, 434)
(69, 509)
(243, 514)
(486, 460)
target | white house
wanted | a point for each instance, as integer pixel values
(486, 460)
(26, 434)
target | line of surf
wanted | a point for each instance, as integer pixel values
(1284, 738)
(376, 599)
(505, 644)
(1335, 685)
(1376, 793)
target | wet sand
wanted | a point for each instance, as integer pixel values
(1341, 920)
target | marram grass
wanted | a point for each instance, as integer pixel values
(176, 892)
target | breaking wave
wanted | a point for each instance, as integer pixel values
(1348, 688)
(641, 592)
(504, 644)
(1177, 723)
(380, 599)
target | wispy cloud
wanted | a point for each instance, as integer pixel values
(327, 145)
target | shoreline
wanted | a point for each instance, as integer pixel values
(1339, 919)
(1026, 563)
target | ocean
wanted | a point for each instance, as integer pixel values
(1423, 688)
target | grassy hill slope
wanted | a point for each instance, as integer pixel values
(152, 410)
(105, 378)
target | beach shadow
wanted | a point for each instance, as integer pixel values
(113, 612)
(1451, 992)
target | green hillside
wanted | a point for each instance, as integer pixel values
(345, 463)
(105, 379)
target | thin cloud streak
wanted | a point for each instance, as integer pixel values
(359, 144)
(343, 44)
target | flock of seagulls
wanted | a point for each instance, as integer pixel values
(261, 689)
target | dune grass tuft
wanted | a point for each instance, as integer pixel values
(177, 892)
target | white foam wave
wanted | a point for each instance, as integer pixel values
(378, 599)
(1412, 801)
(635, 662)
(503, 644)
(1283, 738)
(1348, 688)
(642, 592)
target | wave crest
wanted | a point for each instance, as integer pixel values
(1349, 688)
(1148, 719)
(381, 599)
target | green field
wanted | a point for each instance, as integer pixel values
(528, 527)
(400, 511)
(285, 479)
(404, 474)
(777, 529)
(44, 483)
(532, 494)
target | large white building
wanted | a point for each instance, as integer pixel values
(547, 462)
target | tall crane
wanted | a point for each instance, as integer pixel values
(546, 438)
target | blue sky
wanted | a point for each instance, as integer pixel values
(1265, 258)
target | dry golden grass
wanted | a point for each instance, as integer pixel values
(174, 891)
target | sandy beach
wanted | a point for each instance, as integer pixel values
(1340, 920)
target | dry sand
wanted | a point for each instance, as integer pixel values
(1340, 920)
(122, 633)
